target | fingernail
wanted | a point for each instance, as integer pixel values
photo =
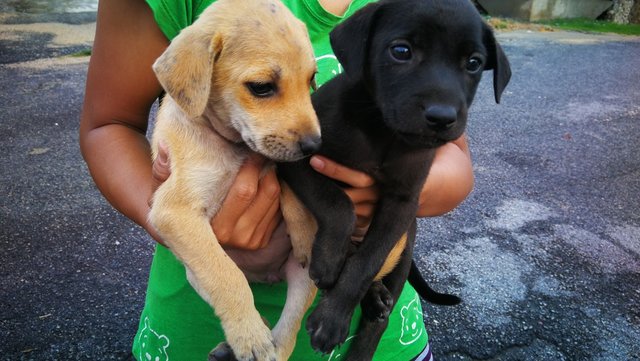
(162, 156)
(317, 163)
(162, 159)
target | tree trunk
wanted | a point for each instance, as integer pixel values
(634, 16)
(623, 10)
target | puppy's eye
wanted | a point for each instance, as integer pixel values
(261, 90)
(474, 64)
(401, 52)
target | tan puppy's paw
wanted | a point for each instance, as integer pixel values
(251, 344)
(301, 257)
(223, 352)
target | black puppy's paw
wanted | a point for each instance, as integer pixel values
(327, 327)
(222, 352)
(377, 303)
(325, 269)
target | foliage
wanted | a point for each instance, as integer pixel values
(593, 26)
(81, 53)
(582, 25)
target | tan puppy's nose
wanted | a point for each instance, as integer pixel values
(310, 144)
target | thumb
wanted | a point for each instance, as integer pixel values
(161, 168)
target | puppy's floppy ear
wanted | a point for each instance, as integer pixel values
(186, 67)
(350, 40)
(497, 61)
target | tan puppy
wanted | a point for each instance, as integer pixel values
(237, 81)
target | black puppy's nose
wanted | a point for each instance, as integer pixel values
(441, 116)
(310, 144)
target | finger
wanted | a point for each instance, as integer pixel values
(264, 231)
(252, 238)
(359, 233)
(252, 224)
(273, 216)
(161, 168)
(364, 213)
(340, 173)
(240, 196)
(271, 227)
(363, 195)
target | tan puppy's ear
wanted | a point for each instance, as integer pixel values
(185, 68)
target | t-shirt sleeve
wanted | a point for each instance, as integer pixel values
(175, 15)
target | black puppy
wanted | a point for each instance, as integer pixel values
(411, 71)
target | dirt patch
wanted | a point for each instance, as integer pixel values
(63, 34)
(512, 25)
(48, 63)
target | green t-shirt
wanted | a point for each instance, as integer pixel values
(176, 324)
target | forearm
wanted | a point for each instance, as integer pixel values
(121, 88)
(450, 180)
(119, 160)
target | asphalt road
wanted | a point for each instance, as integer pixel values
(545, 252)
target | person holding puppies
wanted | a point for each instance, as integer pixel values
(121, 88)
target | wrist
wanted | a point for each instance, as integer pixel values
(449, 183)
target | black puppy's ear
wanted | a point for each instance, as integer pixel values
(497, 61)
(350, 40)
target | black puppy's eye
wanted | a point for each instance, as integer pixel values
(474, 64)
(401, 52)
(262, 90)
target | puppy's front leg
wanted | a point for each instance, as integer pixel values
(396, 209)
(301, 225)
(334, 214)
(300, 294)
(213, 274)
(328, 325)
(371, 328)
(300, 288)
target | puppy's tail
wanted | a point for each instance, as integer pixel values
(426, 292)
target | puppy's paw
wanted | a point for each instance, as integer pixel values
(250, 344)
(377, 303)
(327, 329)
(325, 269)
(301, 257)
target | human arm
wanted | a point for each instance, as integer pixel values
(449, 182)
(120, 90)
(450, 179)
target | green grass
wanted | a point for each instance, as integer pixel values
(593, 26)
(81, 53)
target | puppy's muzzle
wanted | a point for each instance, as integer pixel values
(310, 144)
(440, 117)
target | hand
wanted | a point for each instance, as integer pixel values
(450, 179)
(250, 211)
(449, 182)
(361, 189)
